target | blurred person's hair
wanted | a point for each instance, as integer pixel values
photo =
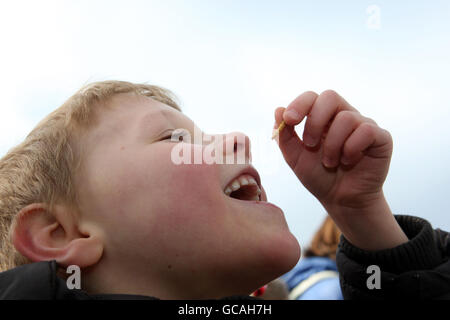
(41, 168)
(325, 241)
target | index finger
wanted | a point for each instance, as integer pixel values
(298, 109)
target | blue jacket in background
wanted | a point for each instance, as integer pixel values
(324, 269)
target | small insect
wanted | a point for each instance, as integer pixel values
(276, 132)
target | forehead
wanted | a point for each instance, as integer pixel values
(132, 114)
(129, 117)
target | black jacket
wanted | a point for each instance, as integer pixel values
(39, 281)
(418, 269)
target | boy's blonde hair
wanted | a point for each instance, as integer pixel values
(41, 168)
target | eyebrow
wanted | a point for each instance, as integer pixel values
(154, 123)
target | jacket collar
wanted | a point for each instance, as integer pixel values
(39, 281)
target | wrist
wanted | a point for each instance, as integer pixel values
(372, 227)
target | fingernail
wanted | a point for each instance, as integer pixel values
(327, 162)
(345, 161)
(309, 141)
(292, 114)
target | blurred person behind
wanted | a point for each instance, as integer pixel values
(316, 277)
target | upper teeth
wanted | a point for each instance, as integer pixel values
(243, 180)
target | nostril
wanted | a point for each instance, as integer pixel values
(237, 143)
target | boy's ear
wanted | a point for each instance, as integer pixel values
(41, 235)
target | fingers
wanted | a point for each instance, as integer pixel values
(290, 144)
(350, 136)
(278, 116)
(341, 128)
(299, 108)
(325, 108)
(288, 133)
(346, 133)
(368, 139)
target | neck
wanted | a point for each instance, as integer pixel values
(163, 285)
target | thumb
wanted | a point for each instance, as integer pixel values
(288, 141)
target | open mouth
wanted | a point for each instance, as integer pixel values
(244, 187)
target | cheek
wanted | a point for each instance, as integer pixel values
(149, 200)
(182, 201)
(188, 213)
(192, 193)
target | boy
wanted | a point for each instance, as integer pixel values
(95, 185)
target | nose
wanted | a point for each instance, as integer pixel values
(237, 149)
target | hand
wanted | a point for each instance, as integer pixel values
(343, 158)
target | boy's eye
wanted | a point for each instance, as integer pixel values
(166, 137)
(176, 135)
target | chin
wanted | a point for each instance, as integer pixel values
(291, 255)
(279, 255)
(263, 261)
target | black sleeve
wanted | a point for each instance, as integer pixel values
(418, 269)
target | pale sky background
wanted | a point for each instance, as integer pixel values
(231, 63)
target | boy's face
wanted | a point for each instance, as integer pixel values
(168, 226)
